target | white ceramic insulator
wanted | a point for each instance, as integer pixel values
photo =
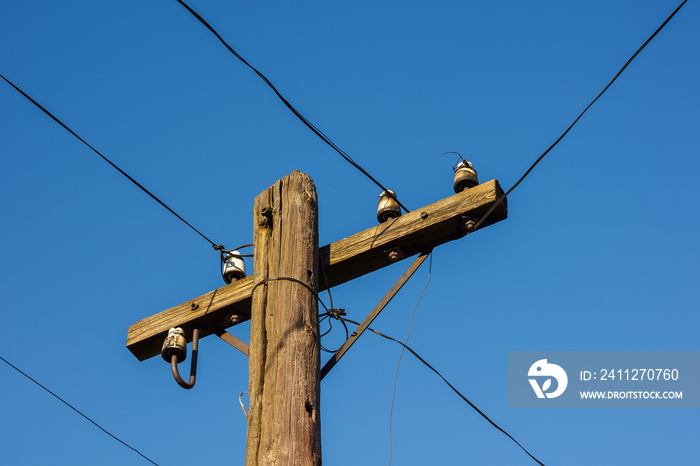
(234, 267)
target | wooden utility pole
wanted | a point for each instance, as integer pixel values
(284, 425)
(284, 421)
(344, 260)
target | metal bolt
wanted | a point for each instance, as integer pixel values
(194, 306)
(424, 215)
(466, 225)
(233, 319)
(394, 254)
(469, 225)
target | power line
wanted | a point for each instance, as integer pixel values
(78, 411)
(289, 279)
(291, 107)
(153, 196)
(500, 199)
(449, 385)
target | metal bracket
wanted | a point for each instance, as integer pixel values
(193, 363)
(375, 312)
(236, 342)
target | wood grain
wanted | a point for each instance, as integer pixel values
(284, 424)
(344, 260)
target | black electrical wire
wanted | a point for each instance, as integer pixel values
(153, 196)
(290, 279)
(329, 312)
(448, 384)
(78, 411)
(500, 199)
(325, 277)
(291, 107)
(330, 327)
(325, 316)
(337, 314)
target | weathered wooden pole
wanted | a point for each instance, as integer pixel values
(284, 423)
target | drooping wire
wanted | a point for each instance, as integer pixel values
(289, 279)
(241, 403)
(332, 311)
(325, 277)
(330, 326)
(338, 314)
(291, 107)
(329, 312)
(398, 365)
(139, 185)
(466, 400)
(78, 411)
(460, 159)
(503, 196)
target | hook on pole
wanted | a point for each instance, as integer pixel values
(175, 351)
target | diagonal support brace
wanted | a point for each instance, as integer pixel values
(234, 341)
(375, 312)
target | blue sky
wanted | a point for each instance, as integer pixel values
(599, 251)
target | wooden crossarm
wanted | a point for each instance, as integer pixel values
(344, 260)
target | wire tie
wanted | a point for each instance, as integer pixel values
(336, 313)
